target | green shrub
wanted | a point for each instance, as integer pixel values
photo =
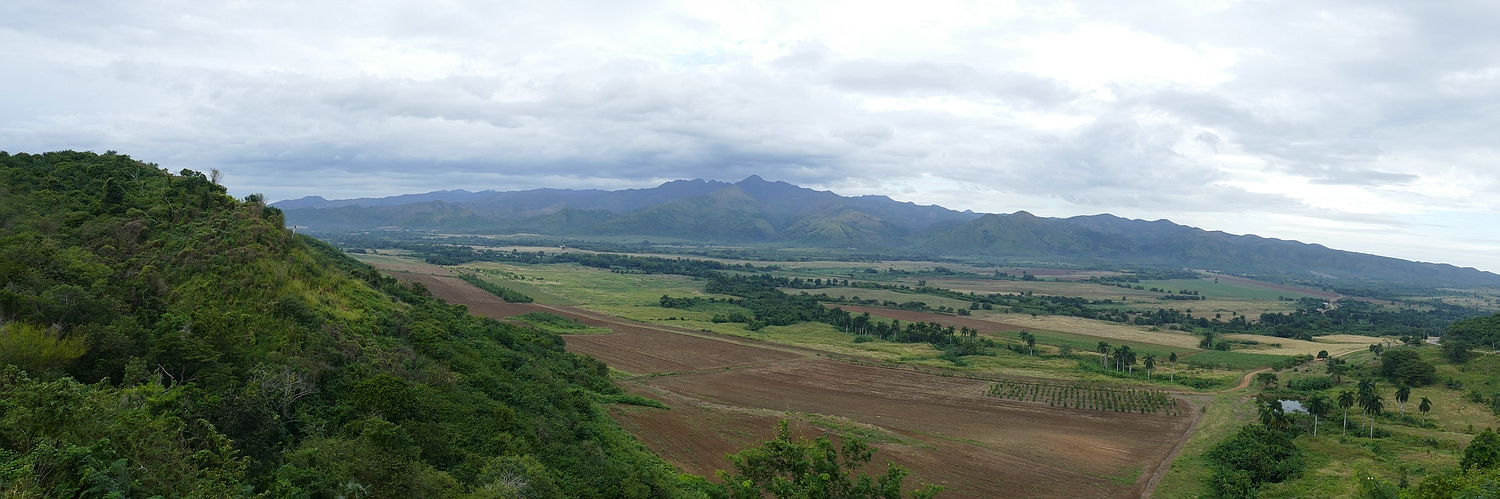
(507, 294)
(1310, 383)
(1252, 456)
(36, 349)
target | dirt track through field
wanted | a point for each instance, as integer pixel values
(727, 393)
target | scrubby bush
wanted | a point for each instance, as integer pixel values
(1310, 383)
(1253, 456)
(36, 349)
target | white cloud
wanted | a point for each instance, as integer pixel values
(1357, 125)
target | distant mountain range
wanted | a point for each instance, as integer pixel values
(757, 211)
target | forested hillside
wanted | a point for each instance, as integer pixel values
(159, 338)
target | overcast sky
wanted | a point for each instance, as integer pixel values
(1368, 126)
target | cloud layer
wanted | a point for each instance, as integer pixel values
(1361, 125)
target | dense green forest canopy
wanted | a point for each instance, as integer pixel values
(1475, 330)
(216, 354)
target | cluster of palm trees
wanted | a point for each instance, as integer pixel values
(1123, 358)
(1369, 401)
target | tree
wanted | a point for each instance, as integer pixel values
(1322, 354)
(1150, 363)
(1103, 352)
(1483, 452)
(1406, 366)
(1372, 406)
(1030, 340)
(1346, 400)
(1172, 357)
(1271, 413)
(1337, 370)
(787, 468)
(1458, 351)
(1403, 393)
(1318, 405)
(1266, 379)
(1377, 348)
(1366, 393)
(1425, 406)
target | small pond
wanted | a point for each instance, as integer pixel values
(1291, 406)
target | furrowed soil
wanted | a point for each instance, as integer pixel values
(640, 350)
(973, 444)
(726, 394)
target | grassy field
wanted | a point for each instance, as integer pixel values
(588, 287)
(1336, 461)
(1226, 288)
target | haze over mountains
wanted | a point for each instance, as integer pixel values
(757, 211)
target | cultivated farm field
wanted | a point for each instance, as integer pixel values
(727, 392)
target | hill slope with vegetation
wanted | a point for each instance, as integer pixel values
(216, 354)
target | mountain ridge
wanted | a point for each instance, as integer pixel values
(755, 210)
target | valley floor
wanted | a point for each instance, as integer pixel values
(726, 393)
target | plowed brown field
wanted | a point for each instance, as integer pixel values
(639, 350)
(978, 445)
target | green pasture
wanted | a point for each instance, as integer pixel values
(1225, 289)
(1337, 462)
(572, 284)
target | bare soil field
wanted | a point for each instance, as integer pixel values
(641, 350)
(631, 348)
(479, 301)
(697, 438)
(392, 263)
(975, 445)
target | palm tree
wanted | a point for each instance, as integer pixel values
(1373, 406)
(1317, 406)
(1425, 406)
(1403, 393)
(1270, 411)
(1346, 400)
(1103, 352)
(1172, 357)
(1150, 363)
(1129, 360)
(1366, 392)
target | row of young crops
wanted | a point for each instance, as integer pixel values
(1086, 397)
